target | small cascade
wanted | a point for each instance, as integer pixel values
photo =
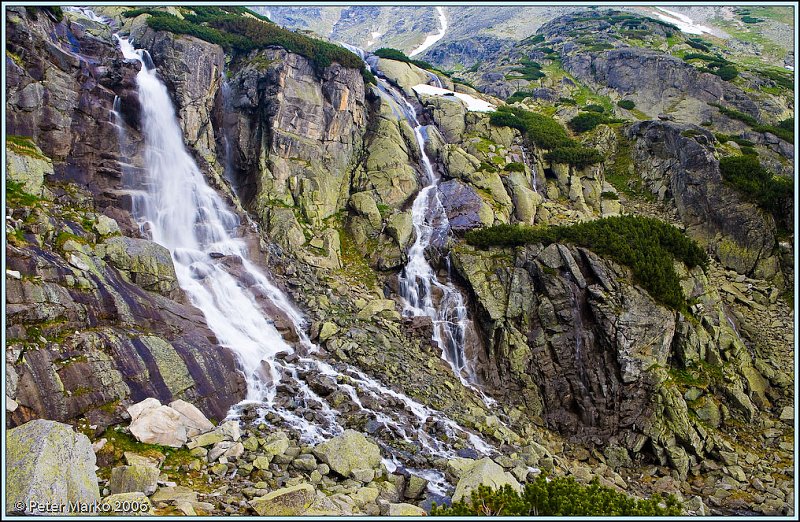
(437, 82)
(418, 279)
(285, 382)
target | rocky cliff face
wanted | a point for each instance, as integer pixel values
(95, 316)
(682, 169)
(571, 340)
(295, 134)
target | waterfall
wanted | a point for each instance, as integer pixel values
(181, 212)
(437, 82)
(532, 167)
(175, 206)
(418, 278)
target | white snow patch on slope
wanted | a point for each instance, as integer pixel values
(432, 39)
(683, 22)
(473, 103)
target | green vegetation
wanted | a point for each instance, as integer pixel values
(518, 96)
(559, 496)
(646, 245)
(586, 121)
(779, 131)
(699, 44)
(594, 108)
(770, 192)
(16, 197)
(530, 71)
(626, 104)
(400, 56)
(514, 166)
(548, 134)
(607, 194)
(229, 28)
(715, 65)
(543, 131)
(620, 172)
(23, 145)
(722, 138)
(534, 39)
(576, 155)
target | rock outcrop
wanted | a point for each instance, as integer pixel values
(681, 169)
(575, 343)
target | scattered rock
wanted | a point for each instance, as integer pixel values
(130, 479)
(487, 472)
(134, 503)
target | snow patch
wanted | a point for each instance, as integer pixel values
(432, 39)
(473, 103)
(683, 22)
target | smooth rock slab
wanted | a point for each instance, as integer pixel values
(134, 504)
(415, 486)
(175, 494)
(48, 462)
(285, 502)
(405, 510)
(161, 425)
(195, 422)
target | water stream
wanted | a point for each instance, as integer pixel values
(177, 209)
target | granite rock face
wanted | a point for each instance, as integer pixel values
(100, 303)
(739, 234)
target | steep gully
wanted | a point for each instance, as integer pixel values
(176, 208)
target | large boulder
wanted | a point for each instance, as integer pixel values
(486, 472)
(464, 207)
(48, 463)
(27, 166)
(402, 74)
(194, 420)
(349, 451)
(153, 423)
(130, 479)
(285, 502)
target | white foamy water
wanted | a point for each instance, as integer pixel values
(433, 38)
(472, 103)
(178, 210)
(181, 212)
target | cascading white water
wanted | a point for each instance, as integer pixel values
(179, 210)
(532, 167)
(418, 279)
